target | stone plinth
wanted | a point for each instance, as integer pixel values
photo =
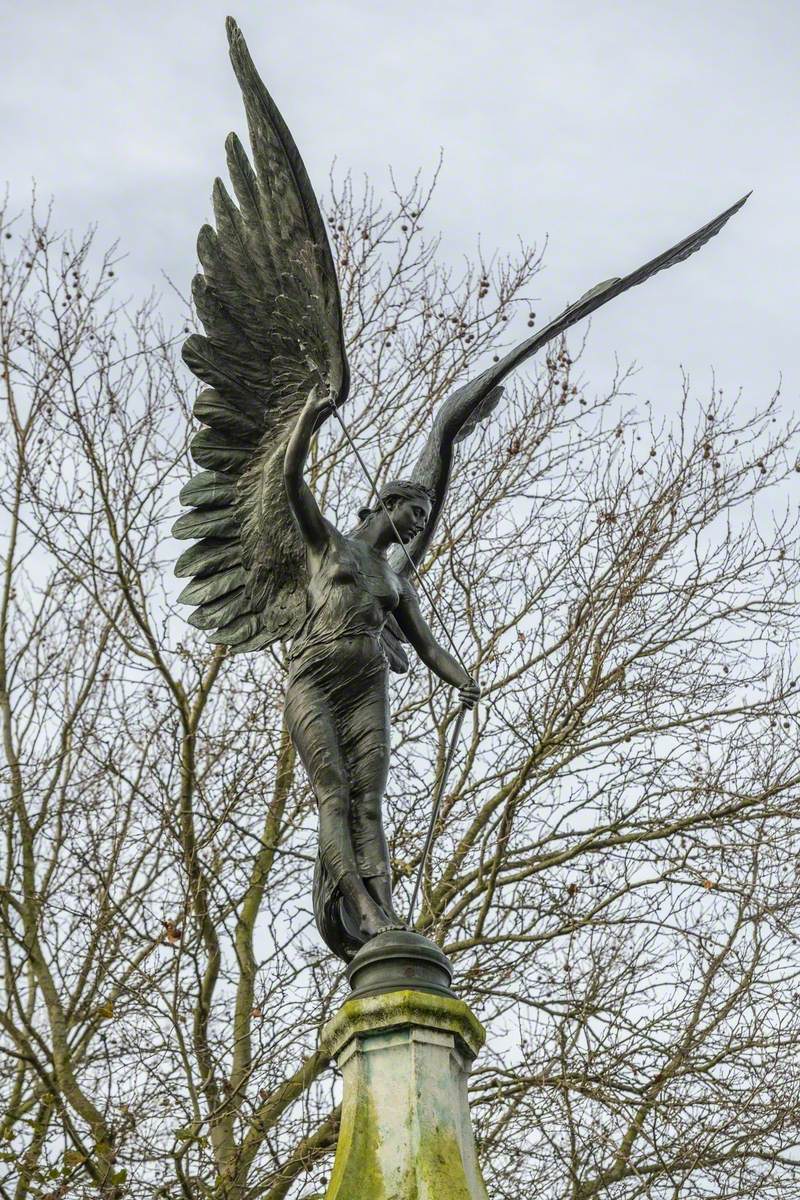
(406, 1133)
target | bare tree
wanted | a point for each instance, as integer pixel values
(613, 869)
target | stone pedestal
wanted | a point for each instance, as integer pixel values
(405, 1055)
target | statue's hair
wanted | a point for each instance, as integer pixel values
(398, 489)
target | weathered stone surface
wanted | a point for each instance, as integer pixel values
(406, 1132)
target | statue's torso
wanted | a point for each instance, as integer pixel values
(351, 591)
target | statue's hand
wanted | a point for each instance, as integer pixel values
(470, 694)
(320, 402)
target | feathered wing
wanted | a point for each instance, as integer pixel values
(269, 302)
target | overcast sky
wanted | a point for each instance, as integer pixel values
(611, 129)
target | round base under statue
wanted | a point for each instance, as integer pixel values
(397, 960)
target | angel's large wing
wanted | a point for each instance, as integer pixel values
(269, 302)
(472, 403)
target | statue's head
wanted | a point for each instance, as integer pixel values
(408, 504)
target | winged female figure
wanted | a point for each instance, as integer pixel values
(266, 565)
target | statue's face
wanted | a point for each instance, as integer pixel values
(410, 517)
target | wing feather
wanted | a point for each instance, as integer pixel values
(256, 237)
(209, 489)
(200, 590)
(228, 419)
(221, 610)
(207, 522)
(215, 452)
(208, 557)
(247, 628)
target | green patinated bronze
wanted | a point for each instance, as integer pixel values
(265, 564)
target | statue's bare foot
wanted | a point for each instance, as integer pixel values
(381, 891)
(365, 912)
(372, 920)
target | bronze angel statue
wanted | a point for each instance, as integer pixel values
(266, 565)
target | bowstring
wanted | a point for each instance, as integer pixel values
(441, 784)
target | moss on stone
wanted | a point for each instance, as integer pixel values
(395, 1009)
(405, 1125)
(440, 1167)
(356, 1173)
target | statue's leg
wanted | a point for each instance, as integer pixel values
(312, 726)
(367, 745)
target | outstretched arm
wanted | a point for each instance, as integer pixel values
(474, 401)
(440, 661)
(313, 525)
(456, 418)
